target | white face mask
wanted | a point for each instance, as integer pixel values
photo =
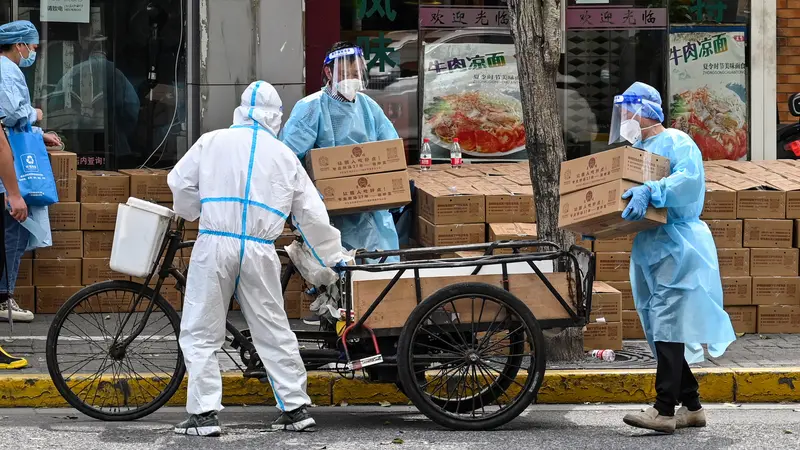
(630, 130)
(349, 88)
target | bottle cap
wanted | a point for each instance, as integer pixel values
(426, 140)
(455, 140)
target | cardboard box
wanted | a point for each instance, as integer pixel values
(57, 272)
(774, 262)
(149, 184)
(734, 262)
(778, 319)
(25, 296)
(431, 235)
(612, 266)
(507, 204)
(727, 233)
(97, 244)
(512, 232)
(617, 244)
(442, 206)
(720, 202)
(597, 212)
(65, 216)
(173, 296)
(291, 304)
(66, 244)
(99, 216)
(96, 270)
(606, 304)
(365, 192)
(761, 204)
(632, 325)
(99, 186)
(65, 173)
(25, 273)
(793, 205)
(625, 289)
(50, 298)
(623, 163)
(737, 291)
(359, 159)
(743, 318)
(401, 300)
(602, 336)
(776, 290)
(28, 255)
(759, 233)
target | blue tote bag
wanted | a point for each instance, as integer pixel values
(32, 166)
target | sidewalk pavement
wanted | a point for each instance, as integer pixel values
(756, 368)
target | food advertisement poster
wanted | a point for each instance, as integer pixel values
(708, 89)
(471, 92)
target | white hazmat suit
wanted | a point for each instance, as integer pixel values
(243, 184)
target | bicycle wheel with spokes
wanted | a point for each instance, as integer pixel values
(104, 380)
(471, 357)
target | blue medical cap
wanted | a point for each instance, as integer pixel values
(18, 32)
(651, 100)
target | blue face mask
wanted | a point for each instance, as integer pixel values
(27, 62)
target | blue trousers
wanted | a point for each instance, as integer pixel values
(15, 237)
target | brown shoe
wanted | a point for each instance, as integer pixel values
(690, 419)
(650, 419)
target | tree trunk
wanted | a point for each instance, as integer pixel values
(536, 28)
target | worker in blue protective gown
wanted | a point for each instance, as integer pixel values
(675, 274)
(340, 114)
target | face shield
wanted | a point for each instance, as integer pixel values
(626, 119)
(348, 72)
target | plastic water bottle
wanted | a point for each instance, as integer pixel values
(425, 155)
(605, 355)
(455, 155)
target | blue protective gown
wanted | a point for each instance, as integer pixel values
(319, 121)
(675, 274)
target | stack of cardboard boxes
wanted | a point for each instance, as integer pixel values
(473, 205)
(752, 210)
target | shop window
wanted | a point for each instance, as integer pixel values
(111, 80)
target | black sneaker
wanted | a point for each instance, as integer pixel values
(200, 425)
(297, 420)
(312, 319)
(11, 362)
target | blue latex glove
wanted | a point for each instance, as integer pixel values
(338, 267)
(640, 200)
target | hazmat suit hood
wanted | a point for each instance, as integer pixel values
(262, 104)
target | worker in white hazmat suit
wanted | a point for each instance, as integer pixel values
(243, 184)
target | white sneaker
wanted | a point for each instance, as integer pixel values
(17, 314)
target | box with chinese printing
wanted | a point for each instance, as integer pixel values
(623, 163)
(606, 303)
(743, 318)
(720, 203)
(612, 266)
(512, 232)
(597, 212)
(726, 233)
(99, 186)
(149, 184)
(507, 204)
(763, 233)
(625, 288)
(774, 262)
(632, 325)
(618, 244)
(442, 205)
(66, 244)
(734, 262)
(602, 336)
(774, 319)
(365, 193)
(99, 216)
(359, 159)
(776, 291)
(430, 235)
(737, 291)
(65, 173)
(65, 216)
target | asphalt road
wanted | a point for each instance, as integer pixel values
(546, 427)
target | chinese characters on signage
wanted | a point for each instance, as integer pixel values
(708, 90)
(381, 7)
(462, 17)
(705, 48)
(91, 161)
(477, 62)
(76, 11)
(616, 18)
(377, 51)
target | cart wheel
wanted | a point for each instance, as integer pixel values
(460, 354)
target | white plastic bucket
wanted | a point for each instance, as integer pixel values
(139, 233)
